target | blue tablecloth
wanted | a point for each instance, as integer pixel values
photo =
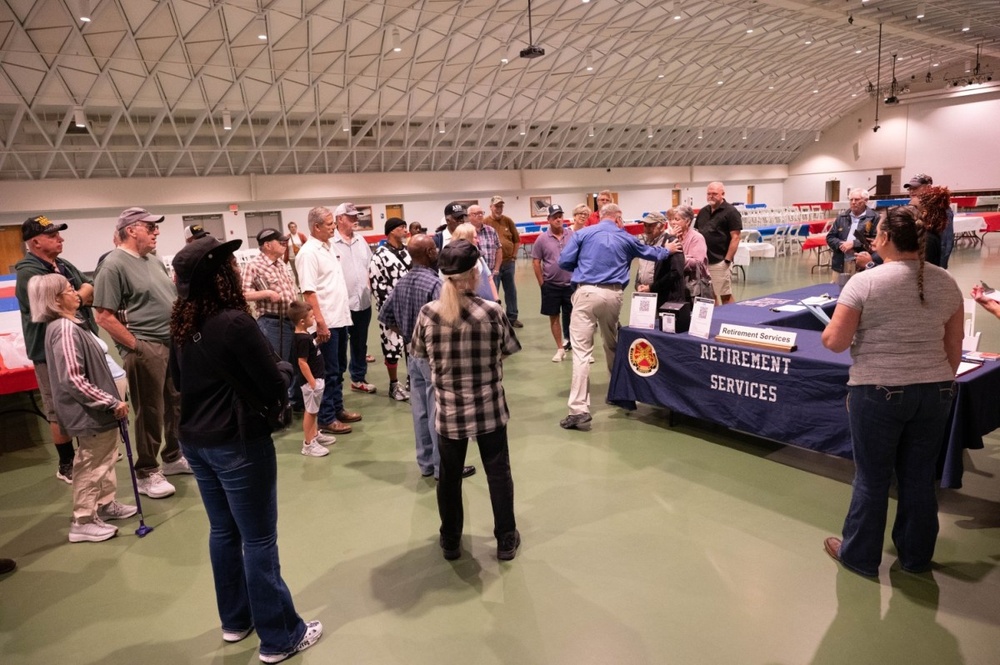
(796, 398)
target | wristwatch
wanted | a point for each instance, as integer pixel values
(728, 262)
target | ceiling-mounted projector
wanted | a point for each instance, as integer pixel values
(532, 52)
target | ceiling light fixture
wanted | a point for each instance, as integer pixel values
(590, 131)
(79, 117)
(523, 129)
(85, 11)
(749, 23)
(345, 123)
(441, 127)
(395, 39)
(227, 120)
(504, 60)
(818, 134)
(857, 48)
(588, 62)
(965, 25)
(261, 26)
(808, 40)
(972, 75)
(784, 134)
(649, 132)
(921, 10)
(701, 134)
(745, 134)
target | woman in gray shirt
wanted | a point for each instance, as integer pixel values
(903, 325)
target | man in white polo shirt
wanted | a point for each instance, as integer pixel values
(322, 282)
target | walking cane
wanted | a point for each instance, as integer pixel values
(123, 428)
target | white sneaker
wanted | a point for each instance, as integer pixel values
(178, 466)
(399, 393)
(235, 635)
(325, 439)
(314, 449)
(560, 355)
(116, 511)
(363, 387)
(155, 486)
(314, 631)
(91, 532)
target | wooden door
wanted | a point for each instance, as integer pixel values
(394, 210)
(11, 248)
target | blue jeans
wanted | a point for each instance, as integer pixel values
(496, 463)
(281, 341)
(358, 334)
(424, 411)
(238, 485)
(279, 334)
(895, 429)
(334, 352)
(506, 279)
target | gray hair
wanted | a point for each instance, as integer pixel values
(863, 193)
(682, 212)
(317, 216)
(610, 211)
(43, 290)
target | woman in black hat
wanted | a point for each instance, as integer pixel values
(465, 340)
(216, 347)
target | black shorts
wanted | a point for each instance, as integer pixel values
(556, 298)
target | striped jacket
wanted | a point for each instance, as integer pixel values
(84, 395)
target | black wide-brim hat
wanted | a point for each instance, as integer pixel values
(199, 260)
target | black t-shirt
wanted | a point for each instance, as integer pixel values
(305, 347)
(717, 226)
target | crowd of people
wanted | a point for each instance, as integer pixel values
(201, 372)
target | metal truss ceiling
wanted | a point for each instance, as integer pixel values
(154, 79)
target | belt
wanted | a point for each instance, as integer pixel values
(272, 316)
(613, 287)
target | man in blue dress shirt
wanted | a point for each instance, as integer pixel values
(600, 258)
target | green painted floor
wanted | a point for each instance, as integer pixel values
(642, 543)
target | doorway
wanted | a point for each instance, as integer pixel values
(11, 248)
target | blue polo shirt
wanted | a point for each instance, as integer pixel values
(602, 254)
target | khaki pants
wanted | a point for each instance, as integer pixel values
(157, 406)
(593, 307)
(94, 479)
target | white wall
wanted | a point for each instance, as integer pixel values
(91, 207)
(954, 140)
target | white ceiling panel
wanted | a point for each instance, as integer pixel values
(154, 78)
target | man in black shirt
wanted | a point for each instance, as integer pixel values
(721, 224)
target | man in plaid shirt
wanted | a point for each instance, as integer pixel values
(489, 241)
(268, 285)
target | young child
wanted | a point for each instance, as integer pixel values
(312, 369)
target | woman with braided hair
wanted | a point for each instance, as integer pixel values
(903, 324)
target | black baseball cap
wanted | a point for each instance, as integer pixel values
(39, 224)
(266, 235)
(456, 210)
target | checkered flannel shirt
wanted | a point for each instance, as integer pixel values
(466, 366)
(262, 271)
